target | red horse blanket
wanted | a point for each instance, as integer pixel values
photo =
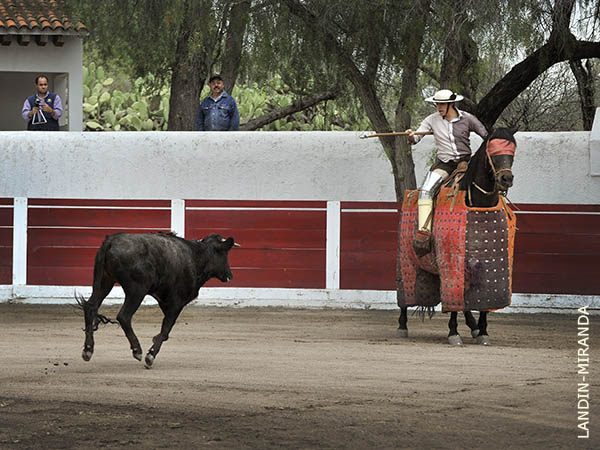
(470, 267)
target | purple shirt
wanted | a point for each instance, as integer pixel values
(58, 110)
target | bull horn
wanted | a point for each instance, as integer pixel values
(235, 244)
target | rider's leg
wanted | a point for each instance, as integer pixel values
(431, 183)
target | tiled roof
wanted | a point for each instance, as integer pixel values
(37, 17)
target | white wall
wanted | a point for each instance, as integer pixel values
(19, 65)
(549, 167)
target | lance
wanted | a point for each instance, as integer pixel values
(395, 133)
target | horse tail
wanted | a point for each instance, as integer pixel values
(423, 311)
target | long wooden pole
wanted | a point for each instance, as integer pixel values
(395, 133)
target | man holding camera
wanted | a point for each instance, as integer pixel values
(42, 109)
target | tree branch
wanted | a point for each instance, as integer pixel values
(297, 106)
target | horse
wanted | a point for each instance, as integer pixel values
(483, 185)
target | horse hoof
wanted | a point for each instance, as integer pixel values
(401, 333)
(86, 355)
(455, 340)
(137, 355)
(148, 361)
(483, 340)
(475, 333)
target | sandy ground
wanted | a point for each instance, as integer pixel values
(293, 379)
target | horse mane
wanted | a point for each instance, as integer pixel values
(480, 157)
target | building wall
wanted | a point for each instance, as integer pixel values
(19, 65)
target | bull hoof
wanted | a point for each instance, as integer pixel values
(86, 355)
(475, 333)
(455, 340)
(401, 333)
(148, 361)
(137, 355)
(483, 340)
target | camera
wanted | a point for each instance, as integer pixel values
(38, 117)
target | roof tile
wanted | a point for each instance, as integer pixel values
(45, 16)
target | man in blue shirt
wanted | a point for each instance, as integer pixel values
(218, 111)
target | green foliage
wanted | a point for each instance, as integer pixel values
(137, 107)
(254, 101)
(112, 103)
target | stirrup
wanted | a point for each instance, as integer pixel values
(422, 243)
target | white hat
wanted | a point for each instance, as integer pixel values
(444, 96)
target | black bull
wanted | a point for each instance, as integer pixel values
(169, 268)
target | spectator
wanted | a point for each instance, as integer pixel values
(218, 111)
(42, 109)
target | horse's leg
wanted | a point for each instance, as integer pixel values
(90, 312)
(483, 337)
(171, 313)
(402, 331)
(471, 323)
(453, 336)
(133, 300)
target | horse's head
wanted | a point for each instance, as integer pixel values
(500, 149)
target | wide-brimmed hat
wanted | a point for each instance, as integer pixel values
(444, 96)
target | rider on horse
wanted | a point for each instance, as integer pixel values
(451, 129)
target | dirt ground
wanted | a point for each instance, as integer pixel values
(293, 379)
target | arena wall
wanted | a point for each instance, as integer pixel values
(314, 211)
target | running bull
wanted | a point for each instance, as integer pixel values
(169, 268)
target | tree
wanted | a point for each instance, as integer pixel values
(184, 41)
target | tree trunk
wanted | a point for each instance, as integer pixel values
(187, 79)
(587, 91)
(238, 20)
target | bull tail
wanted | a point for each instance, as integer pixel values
(90, 306)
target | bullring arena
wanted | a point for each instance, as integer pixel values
(299, 350)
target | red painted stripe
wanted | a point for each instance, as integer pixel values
(275, 259)
(6, 237)
(370, 221)
(265, 220)
(555, 243)
(556, 207)
(58, 276)
(69, 237)
(258, 238)
(554, 283)
(375, 240)
(274, 278)
(6, 201)
(5, 274)
(99, 202)
(371, 205)
(227, 204)
(558, 224)
(61, 256)
(157, 219)
(367, 279)
(6, 217)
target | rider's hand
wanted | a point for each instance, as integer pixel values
(410, 136)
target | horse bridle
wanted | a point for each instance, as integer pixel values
(496, 176)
